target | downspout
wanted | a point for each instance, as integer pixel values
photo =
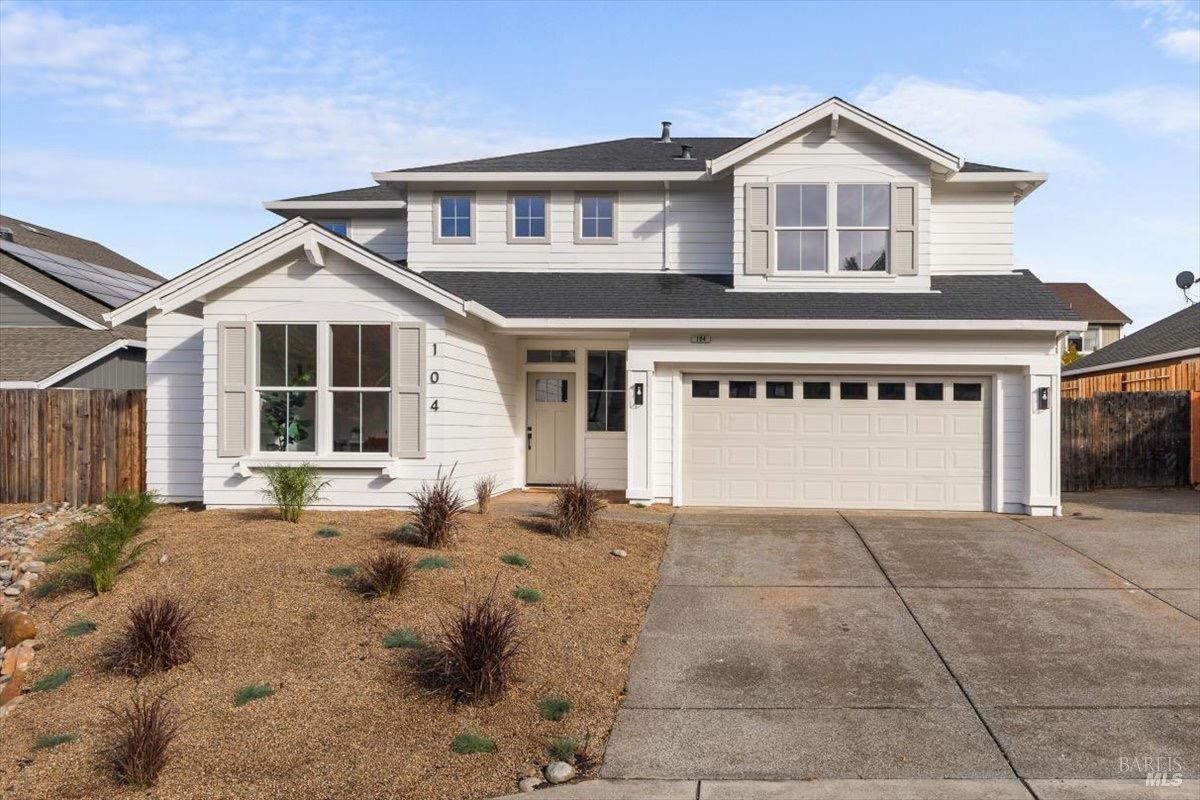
(666, 210)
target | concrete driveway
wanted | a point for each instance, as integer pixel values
(1018, 657)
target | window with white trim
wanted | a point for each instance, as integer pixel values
(596, 217)
(864, 215)
(529, 217)
(801, 225)
(454, 217)
(360, 381)
(287, 388)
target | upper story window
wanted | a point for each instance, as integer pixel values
(338, 226)
(528, 218)
(596, 218)
(863, 219)
(455, 218)
(801, 217)
(287, 388)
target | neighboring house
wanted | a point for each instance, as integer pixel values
(1161, 357)
(825, 314)
(54, 290)
(1104, 320)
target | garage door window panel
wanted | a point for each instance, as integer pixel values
(743, 390)
(968, 392)
(891, 391)
(930, 391)
(706, 389)
(780, 390)
(852, 390)
(816, 390)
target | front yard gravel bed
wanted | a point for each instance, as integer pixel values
(344, 720)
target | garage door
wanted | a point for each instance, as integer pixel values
(843, 442)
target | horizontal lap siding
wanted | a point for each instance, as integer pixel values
(971, 230)
(699, 234)
(387, 236)
(473, 432)
(855, 155)
(604, 458)
(174, 410)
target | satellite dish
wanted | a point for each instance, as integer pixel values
(1185, 280)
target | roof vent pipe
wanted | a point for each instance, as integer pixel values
(6, 234)
(685, 152)
(666, 134)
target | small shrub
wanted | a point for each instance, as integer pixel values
(49, 741)
(473, 742)
(143, 734)
(328, 533)
(293, 488)
(54, 558)
(385, 574)
(160, 634)
(515, 559)
(80, 628)
(554, 709)
(437, 507)
(563, 750)
(340, 571)
(130, 509)
(526, 594)
(252, 692)
(575, 508)
(485, 487)
(433, 562)
(475, 656)
(54, 680)
(100, 551)
(402, 637)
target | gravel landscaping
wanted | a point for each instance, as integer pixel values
(342, 717)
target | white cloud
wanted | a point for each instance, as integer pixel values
(981, 124)
(1183, 43)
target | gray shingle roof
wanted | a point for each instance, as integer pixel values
(1180, 331)
(1016, 296)
(31, 354)
(971, 166)
(40, 237)
(619, 155)
(376, 192)
(1089, 304)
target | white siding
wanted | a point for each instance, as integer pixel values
(604, 460)
(855, 155)
(1012, 458)
(662, 428)
(699, 222)
(387, 236)
(971, 230)
(474, 429)
(174, 419)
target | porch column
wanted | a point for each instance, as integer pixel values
(637, 426)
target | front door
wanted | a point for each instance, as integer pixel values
(550, 435)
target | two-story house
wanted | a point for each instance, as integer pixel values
(825, 314)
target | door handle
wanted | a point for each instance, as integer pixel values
(529, 438)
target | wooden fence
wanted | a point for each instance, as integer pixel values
(71, 444)
(1126, 439)
(1170, 377)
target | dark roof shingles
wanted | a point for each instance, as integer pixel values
(1180, 331)
(376, 192)
(1017, 296)
(31, 354)
(64, 244)
(1089, 304)
(636, 154)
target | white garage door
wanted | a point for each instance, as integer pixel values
(842, 442)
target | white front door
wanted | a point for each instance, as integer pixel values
(903, 442)
(550, 435)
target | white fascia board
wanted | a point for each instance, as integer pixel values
(1132, 362)
(86, 361)
(945, 159)
(1022, 183)
(153, 299)
(533, 323)
(334, 205)
(308, 236)
(53, 305)
(538, 177)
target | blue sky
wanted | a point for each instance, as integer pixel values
(158, 128)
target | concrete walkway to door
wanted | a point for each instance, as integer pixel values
(1022, 657)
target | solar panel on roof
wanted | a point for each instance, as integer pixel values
(111, 287)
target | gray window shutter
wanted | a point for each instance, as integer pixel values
(905, 216)
(758, 228)
(408, 390)
(236, 387)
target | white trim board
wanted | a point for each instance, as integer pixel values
(519, 178)
(1131, 362)
(71, 369)
(334, 205)
(53, 305)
